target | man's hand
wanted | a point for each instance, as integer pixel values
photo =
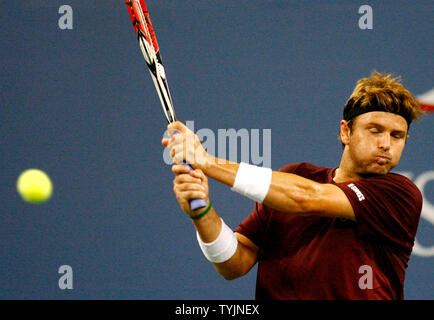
(184, 145)
(189, 184)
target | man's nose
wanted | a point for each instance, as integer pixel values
(384, 141)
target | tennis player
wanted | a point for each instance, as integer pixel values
(316, 233)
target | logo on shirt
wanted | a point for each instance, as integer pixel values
(357, 192)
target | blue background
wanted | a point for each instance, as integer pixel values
(80, 105)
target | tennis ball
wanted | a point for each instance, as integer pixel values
(34, 186)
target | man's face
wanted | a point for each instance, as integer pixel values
(376, 141)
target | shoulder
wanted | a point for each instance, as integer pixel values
(391, 189)
(391, 176)
(307, 170)
(397, 182)
(388, 206)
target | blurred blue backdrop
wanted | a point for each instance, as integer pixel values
(80, 105)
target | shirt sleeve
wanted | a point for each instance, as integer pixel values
(254, 226)
(386, 207)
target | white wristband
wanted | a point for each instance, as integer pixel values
(252, 181)
(222, 248)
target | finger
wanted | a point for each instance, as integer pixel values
(180, 169)
(174, 150)
(178, 157)
(165, 142)
(177, 148)
(174, 140)
(197, 177)
(185, 178)
(188, 187)
(192, 195)
(180, 185)
(176, 126)
(197, 173)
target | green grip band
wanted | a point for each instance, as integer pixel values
(203, 213)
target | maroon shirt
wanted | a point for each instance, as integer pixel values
(313, 257)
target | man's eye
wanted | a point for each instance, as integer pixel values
(373, 130)
(398, 136)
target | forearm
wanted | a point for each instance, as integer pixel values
(291, 193)
(209, 227)
(221, 170)
(287, 192)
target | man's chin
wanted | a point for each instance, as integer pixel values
(379, 169)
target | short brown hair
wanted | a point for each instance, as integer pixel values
(382, 93)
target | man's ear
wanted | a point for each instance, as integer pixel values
(345, 132)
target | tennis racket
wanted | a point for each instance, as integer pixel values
(149, 46)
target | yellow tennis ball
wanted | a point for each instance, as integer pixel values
(34, 186)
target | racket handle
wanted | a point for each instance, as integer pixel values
(195, 203)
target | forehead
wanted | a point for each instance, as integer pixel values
(387, 120)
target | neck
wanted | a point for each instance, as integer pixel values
(346, 170)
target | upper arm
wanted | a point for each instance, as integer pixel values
(330, 201)
(250, 249)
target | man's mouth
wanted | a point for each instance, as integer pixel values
(382, 158)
